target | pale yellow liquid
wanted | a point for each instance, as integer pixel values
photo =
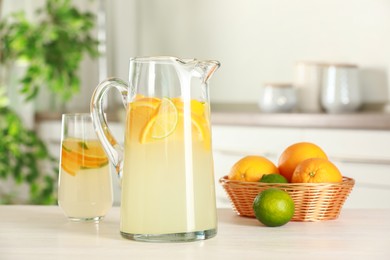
(167, 185)
(87, 194)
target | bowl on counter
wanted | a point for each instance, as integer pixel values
(313, 201)
(277, 98)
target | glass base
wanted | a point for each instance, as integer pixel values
(172, 237)
(89, 219)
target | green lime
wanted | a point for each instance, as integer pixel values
(273, 178)
(273, 207)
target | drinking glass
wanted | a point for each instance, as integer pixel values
(85, 186)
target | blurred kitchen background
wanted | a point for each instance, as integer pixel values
(256, 41)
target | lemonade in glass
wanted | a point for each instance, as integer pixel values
(85, 186)
(168, 168)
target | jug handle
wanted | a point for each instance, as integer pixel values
(112, 148)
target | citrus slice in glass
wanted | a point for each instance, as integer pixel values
(162, 124)
(145, 102)
(79, 154)
(197, 107)
(141, 111)
(201, 129)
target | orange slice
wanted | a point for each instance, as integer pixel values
(162, 124)
(145, 102)
(89, 148)
(201, 126)
(197, 107)
(77, 154)
(140, 111)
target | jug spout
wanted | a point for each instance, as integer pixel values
(200, 69)
(207, 68)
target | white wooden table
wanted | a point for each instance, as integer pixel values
(42, 232)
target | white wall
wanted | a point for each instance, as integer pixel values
(260, 40)
(256, 41)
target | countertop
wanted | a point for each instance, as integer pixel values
(42, 232)
(371, 117)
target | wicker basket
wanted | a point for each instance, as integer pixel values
(313, 201)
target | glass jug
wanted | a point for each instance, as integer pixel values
(166, 164)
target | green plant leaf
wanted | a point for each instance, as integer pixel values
(57, 42)
(53, 47)
(22, 153)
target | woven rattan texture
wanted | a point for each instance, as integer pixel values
(313, 201)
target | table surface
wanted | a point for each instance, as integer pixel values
(250, 115)
(42, 232)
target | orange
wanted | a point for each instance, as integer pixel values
(295, 154)
(252, 168)
(316, 170)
